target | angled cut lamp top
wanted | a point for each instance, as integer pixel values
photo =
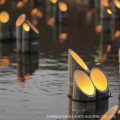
(105, 3)
(79, 60)
(99, 80)
(108, 115)
(84, 83)
(63, 6)
(4, 17)
(53, 1)
(26, 27)
(20, 20)
(117, 3)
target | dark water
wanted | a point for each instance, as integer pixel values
(45, 93)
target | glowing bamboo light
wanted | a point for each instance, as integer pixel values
(83, 92)
(4, 25)
(100, 82)
(26, 38)
(117, 3)
(19, 31)
(110, 115)
(74, 63)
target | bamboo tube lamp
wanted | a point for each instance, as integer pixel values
(4, 25)
(83, 95)
(110, 115)
(74, 63)
(100, 82)
(19, 26)
(26, 38)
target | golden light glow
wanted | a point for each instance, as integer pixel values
(25, 1)
(20, 4)
(98, 29)
(108, 48)
(36, 12)
(20, 20)
(51, 22)
(117, 3)
(105, 3)
(63, 37)
(99, 79)
(4, 17)
(5, 61)
(53, 1)
(2, 2)
(79, 60)
(110, 113)
(104, 58)
(27, 77)
(62, 6)
(26, 27)
(109, 11)
(117, 34)
(84, 83)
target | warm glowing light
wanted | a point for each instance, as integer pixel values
(99, 79)
(20, 20)
(25, 1)
(4, 17)
(90, 13)
(20, 4)
(84, 83)
(105, 3)
(98, 29)
(109, 11)
(104, 58)
(26, 27)
(36, 12)
(51, 22)
(62, 6)
(53, 1)
(27, 77)
(2, 2)
(63, 36)
(117, 34)
(5, 61)
(110, 113)
(117, 3)
(79, 60)
(108, 48)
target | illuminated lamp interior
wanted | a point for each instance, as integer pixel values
(20, 4)
(53, 1)
(25, 1)
(26, 27)
(63, 37)
(33, 27)
(79, 60)
(110, 113)
(62, 6)
(20, 20)
(36, 12)
(105, 3)
(108, 48)
(109, 11)
(117, 34)
(99, 80)
(27, 77)
(84, 83)
(4, 17)
(2, 2)
(117, 3)
(51, 21)
(98, 29)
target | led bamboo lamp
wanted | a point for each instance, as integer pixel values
(26, 38)
(34, 36)
(74, 63)
(84, 92)
(110, 115)
(19, 26)
(100, 82)
(4, 25)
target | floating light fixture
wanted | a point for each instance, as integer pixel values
(98, 29)
(109, 11)
(117, 3)
(37, 13)
(105, 3)
(62, 6)
(117, 34)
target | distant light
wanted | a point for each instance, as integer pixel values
(26, 27)
(117, 34)
(53, 1)
(63, 6)
(117, 3)
(2, 2)
(20, 4)
(63, 37)
(51, 21)
(36, 12)
(105, 3)
(108, 48)
(4, 17)
(27, 77)
(109, 11)
(5, 61)
(103, 59)
(25, 1)
(98, 29)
